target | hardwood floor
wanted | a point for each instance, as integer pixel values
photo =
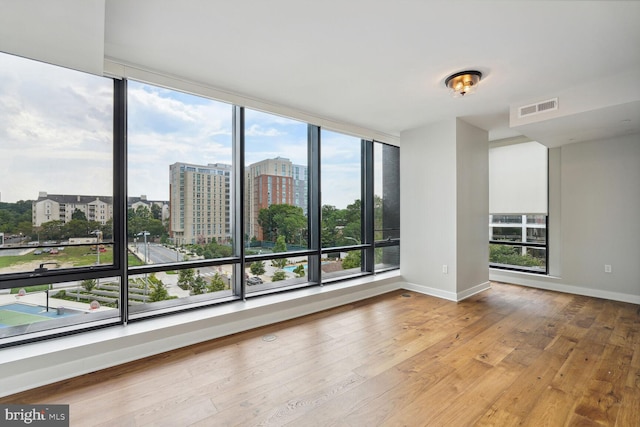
(507, 356)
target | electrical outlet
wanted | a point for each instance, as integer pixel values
(607, 268)
(445, 269)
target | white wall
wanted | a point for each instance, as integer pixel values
(601, 214)
(444, 209)
(594, 220)
(428, 207)
(472, 208)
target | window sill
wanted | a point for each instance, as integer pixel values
(31, 365)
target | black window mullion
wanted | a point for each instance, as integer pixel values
(120, 192)
(239, 283)
(368, 260)
(315, 209)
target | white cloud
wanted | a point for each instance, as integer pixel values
(256, 130)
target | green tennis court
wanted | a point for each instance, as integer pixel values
(15, 318)
(24, 314)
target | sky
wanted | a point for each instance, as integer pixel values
(56, 136)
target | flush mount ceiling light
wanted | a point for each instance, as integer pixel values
(463, 83)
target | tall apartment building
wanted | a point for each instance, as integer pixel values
(199, 203)
(60, 207)
(269, 182)
(300, 187)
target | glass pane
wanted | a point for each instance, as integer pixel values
(171, 288)
(387, 257)
(276, 190)
(505, 219)
(537, 235)
(512, 234)
(56, 183)
(275, 273)
(341, 264)
(179, 174)
(523, 257)
(537, 219)
(341, 171)
(386, 204)
(31, 309)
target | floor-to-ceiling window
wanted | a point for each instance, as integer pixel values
(341, 169)
(518, 206)
(56, 199)
(179, 205)
(122, 200)
(386, 206)
(275, 201)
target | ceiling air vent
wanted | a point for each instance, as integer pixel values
(538, 107)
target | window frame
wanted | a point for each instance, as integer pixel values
(240, 260)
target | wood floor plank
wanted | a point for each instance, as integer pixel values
(505, 357)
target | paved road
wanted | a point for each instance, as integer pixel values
(159, 254)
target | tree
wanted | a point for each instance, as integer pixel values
(141, 219)
(76, 228)
(257, 268)
(332, 222)
(186, 278)
(159, 291)
(299, 271)
(52, 230)
(214, 250)
(281, 245)
(88, 284)
(217, 284)
(279, 263)
(511, 255)
(15, 218)
(282, 220)
(156, 211)
(278, 275)
(79, 215)
(198, 286)
(352, 260)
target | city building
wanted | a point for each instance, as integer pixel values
(199, 203)
(60, 207)
(301, 187)
(269, 182)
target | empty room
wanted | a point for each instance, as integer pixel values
(338, 213)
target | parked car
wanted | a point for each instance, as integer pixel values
(255, 280)
(37, 252)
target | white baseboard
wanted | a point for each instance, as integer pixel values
(426, 290)
(451, 296)
(474, 290)
(552, 283)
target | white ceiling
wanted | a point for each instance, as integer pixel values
(381, 64)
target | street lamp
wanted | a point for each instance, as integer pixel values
(146, 248)
(98, 234)
(351, 238)
(146, 254)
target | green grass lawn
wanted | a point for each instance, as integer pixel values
(38, 288)
(77, 256)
